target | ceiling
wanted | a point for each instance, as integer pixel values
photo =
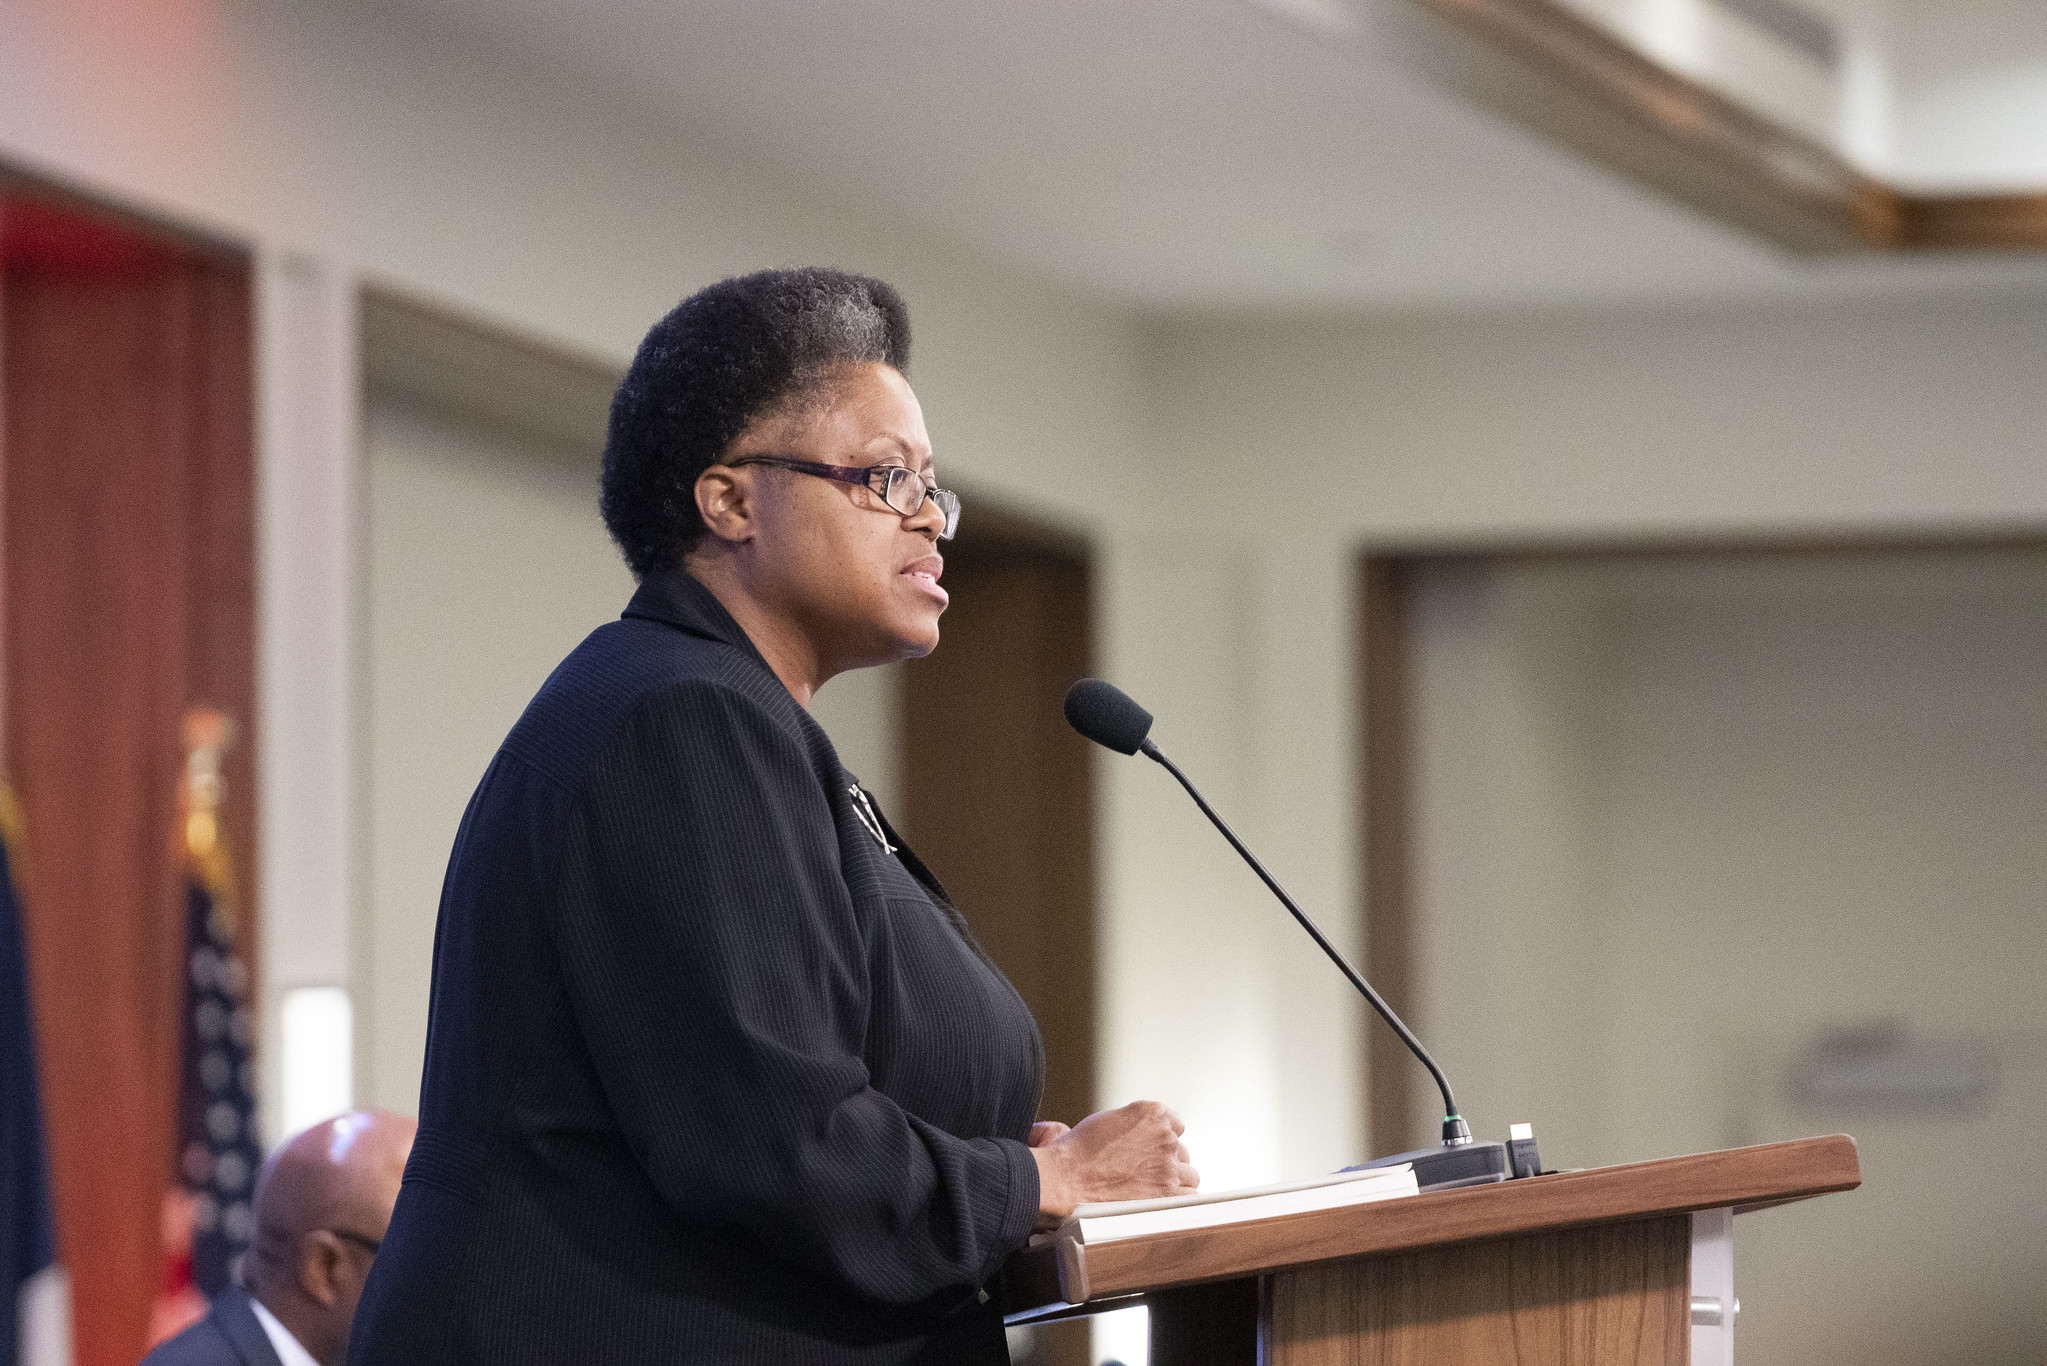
(1197, 155)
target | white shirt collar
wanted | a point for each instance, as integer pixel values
(287, 1347)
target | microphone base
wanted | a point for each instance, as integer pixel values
(1440, 1169)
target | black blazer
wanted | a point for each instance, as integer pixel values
(714, 1072)
(229, 1335)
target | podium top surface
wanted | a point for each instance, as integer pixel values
(1063, 1272)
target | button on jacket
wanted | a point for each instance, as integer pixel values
(714, 1071)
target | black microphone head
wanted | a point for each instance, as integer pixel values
(1105, 714)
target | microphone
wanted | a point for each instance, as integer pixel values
(1108, 716)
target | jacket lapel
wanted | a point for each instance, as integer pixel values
(237, 1323)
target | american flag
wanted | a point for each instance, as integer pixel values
(218, 1150)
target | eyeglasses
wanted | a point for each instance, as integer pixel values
(898, 485)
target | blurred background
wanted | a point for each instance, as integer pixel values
(1570, 477)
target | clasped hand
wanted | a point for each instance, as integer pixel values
(1134, 1153)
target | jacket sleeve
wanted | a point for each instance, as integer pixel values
(719, 978)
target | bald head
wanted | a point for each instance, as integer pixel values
(323, 1203)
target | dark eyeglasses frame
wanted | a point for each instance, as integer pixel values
(863, 475)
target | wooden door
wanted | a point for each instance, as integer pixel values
(997, 795)
(128, 542)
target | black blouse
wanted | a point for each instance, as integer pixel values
(714, 1071)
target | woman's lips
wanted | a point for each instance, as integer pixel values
(924, 573)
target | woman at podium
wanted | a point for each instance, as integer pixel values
(715, 1071)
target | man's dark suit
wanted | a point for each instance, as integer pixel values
(714, 1072)
(228, 1336)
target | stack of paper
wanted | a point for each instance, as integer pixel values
(1103, 1223)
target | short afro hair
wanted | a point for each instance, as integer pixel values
(724, 356)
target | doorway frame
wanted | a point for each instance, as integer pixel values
(1382, 598)
(218, 537)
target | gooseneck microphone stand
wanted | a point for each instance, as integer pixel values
(1109, 717)
(1456, 1133)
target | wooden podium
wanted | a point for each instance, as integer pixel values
(1618, 1265)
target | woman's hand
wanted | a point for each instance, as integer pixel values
(1134, 1153)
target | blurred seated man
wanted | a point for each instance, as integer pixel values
(322, 1205)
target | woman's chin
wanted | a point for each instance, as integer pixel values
(900, 640)
(920, 643)
(916, 634)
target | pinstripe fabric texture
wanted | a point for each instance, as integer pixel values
(711, 1075)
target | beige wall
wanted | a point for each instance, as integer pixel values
(1904, 415)
(486, 564)
(1679, 826)
(1301, 441)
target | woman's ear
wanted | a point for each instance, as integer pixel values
(725, 501)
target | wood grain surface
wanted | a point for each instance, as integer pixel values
(2016, 222)
(998, 794)
(1569, 78)
(1386, 811)
(1556, 70)
(1739, 1177)
(1613, 1294)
